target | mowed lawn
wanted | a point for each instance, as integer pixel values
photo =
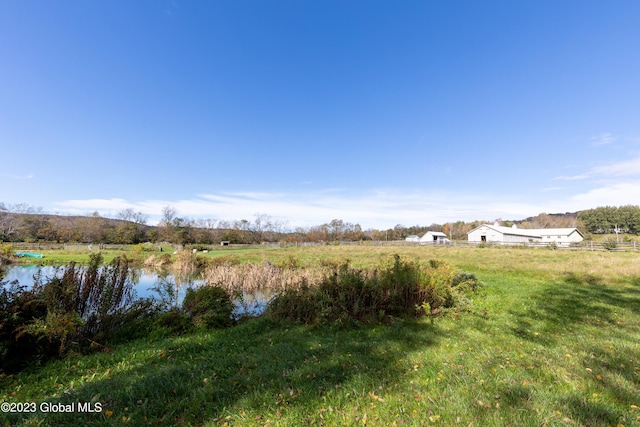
(553, 339)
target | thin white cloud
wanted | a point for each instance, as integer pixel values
(625, 168)
(21, 177)
(616, 194)
(602, 139)
(572, 177)
(84, 205)
(373, 209)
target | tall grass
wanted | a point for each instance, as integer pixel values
(553, 340)
(252, 277)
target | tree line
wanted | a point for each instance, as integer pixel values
(611, 219)
(23, 223)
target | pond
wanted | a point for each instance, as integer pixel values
(147, 284)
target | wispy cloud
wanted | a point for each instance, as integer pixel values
(616, 194)
(21, 177)
(374, 209)
(602, 139)
(612, 184)
(572, 177)
(625, 168)
(104, 206)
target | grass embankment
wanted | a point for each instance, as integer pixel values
(553, 340)
(81, 254)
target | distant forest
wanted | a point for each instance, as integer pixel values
(24, 223)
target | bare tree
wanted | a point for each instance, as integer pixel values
(8, 223)
(168, 214)
(126, 214)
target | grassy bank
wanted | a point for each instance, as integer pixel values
(63, 254)
(553, 340)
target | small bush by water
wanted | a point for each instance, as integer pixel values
(351, 295)
(208, 306)
(82, 309)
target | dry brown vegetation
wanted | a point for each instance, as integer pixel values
(252, 277)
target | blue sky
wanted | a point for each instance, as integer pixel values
(374, 112)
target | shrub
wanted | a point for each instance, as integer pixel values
(437, 287)
(291, 262)
(401, 287)
(462, 286)
(176, 321)
(297, 304)
(90, 303)
(18, 306)
(465, 282)
(82, 308)
(348, 295)
(6, 250)
(610, 244)
(209, 306)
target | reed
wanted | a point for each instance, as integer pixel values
(252, 277)
(157, 262)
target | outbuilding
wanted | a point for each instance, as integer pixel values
(561, 236)
(494, 233)
(434, 238)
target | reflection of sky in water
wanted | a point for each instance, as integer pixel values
(253, 304)
(145, 285)
(144, 281)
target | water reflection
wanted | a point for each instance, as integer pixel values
(252, 304)
(160, 284)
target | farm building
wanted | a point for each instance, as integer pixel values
(493, 233)
(561, 236)
(433, 237)
(412, 238)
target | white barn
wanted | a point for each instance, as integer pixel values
(433, 237)
(493, 233)
(561, 236)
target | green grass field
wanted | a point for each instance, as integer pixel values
(554, 339)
